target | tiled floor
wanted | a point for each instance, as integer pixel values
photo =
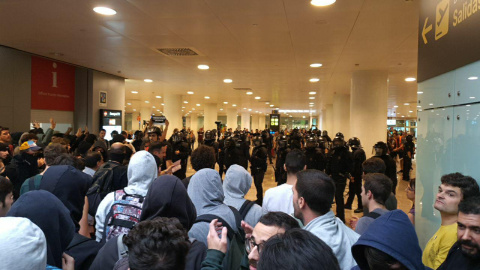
(269, 182)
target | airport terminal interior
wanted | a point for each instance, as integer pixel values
(160, 122)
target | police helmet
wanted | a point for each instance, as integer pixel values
(209, 136)
(257, 141)
(338, 142)
(354, 142)
(155, 130)
(409, 138)
(321, 142)
(311, 142)
(324, 133)
(380, 149)
(339, 134)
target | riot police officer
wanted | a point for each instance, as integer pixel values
(221, 154)
(268, 141)
(181, 151)
(355, 186)
(281, 151)
(243, 150)
(258, 166)
(339, 167)
(209, 140)
(381, 151)
(315, 157)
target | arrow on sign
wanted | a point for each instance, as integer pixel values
(425, 30)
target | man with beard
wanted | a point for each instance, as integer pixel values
(465, 254)
(453, 189)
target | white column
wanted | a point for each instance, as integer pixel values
(232, 118)
(255, 122)
(261, 121)
(310, 121)
(210, 116)
(329, 119)
(341, 115)
(173, 112)
(245, 120)
(194, 122)
(368, 107)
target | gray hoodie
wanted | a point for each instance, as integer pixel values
(236, 185)
(206, 192)
(142, 170)
(23, 244)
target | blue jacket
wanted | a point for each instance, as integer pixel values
(394, 234)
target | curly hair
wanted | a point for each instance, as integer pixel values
(158, 244)
(467, 184)
(203, 157)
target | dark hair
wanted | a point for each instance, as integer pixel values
(379, 184)
(6, 187)
(91, 138)
(92, 159)
(280, 220)
(52, 151)
(3, 128)
(117, 153)
(295, 161)
(412, 183)
(378, 259)
(67, 159)
(317, 188)
(203, 157)
(158, 161)
(156, 244)
(297, 249)
(467, 184)
(374, 165)
(470, 206)
(104, 130)
(28, 137)
(156, 146)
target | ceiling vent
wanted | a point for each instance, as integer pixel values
(243, 89)
(178, 51)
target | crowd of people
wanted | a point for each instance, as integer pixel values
(79, 201)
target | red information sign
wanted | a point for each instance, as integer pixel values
(53, 85)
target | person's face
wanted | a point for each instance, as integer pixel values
(261, 233)
(448, 198)
(364, 197)
(410, 193)
(162, 154)
(8, 203)
(102, 134)
(297, 208)
(468, 233)
(5, 136)
(3, 154)
(153, 137)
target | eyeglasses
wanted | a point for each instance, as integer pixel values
(250, 244)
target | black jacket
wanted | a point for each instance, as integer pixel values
(456, 260)
(315, 159)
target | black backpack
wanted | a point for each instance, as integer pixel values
(245, 208)
(102, 185)
(236, 247)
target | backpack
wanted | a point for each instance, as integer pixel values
(246, 206)
(102, 185)
(236, 246)
(373, 215)
(123, 215)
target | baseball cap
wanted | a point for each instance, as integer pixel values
(29, 145)
(4, 147)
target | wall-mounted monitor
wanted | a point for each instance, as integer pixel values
(110, 120)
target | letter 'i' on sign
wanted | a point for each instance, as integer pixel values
(54, 83)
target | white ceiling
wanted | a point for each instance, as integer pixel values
(265, 45)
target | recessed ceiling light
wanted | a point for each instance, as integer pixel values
(472, 97)
(163, 104)
(473, 78)
(314, 80)
(257, 97)
(203, 67)
(207, 97)
(198, 105)
(396, 106)
(129, 103)
(183, 107)
(267, 103)
(193, 109)
(312, 93)
(410, 111)
(303, 116)
(272, 105)
(186, 102)
(419, 106)
(154, 107)
(148, 80)
(225, 102)
(146, 101)
(419, 92)
(244, 108)
(311, 98)
(311, 103)
(158, 110)
(221, 109)
(315, 65)
(249, 110)
(406, 104)
(228, 81)
(234, 105)
(190, 92)
(249, 93)
(104, 11)
(158, 96)
(404, 115)
(134, 92)
(322, 3)
(134, 110)
(410, 79)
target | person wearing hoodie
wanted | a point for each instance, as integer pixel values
(51, 216)
(236, 185)
(166, 197)
(206, 192)
(142, 170)
(312, 202)
(389, 243)
(70, 186)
